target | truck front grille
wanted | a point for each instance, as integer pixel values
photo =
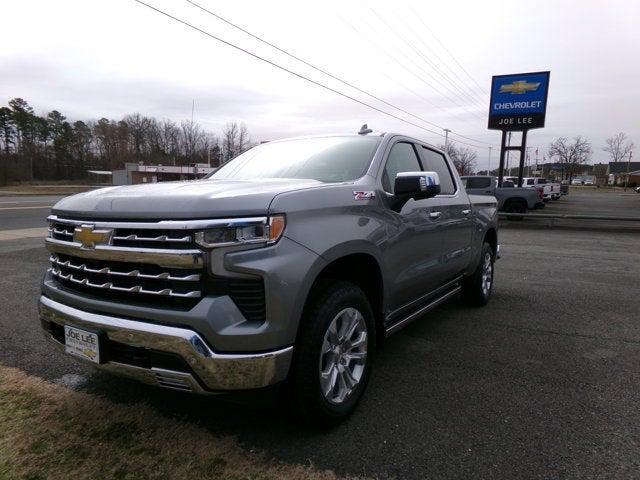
(144, 264)
(126, 278)
(131, 237)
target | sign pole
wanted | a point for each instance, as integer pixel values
(523, 153)
(502, 151)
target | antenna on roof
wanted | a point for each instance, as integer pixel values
(364, 129)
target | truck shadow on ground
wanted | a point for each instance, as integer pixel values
(258, 420)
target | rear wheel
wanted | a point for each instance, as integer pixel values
(515, 206)
(332, 358)
(476, 289)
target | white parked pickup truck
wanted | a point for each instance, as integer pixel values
(550, 190)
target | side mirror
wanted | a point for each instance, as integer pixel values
(417, 185)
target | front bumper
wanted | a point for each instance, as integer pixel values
(205, 370)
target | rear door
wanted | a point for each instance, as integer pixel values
(455, 225)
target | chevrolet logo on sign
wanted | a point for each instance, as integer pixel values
(89, 238)
(519, 87)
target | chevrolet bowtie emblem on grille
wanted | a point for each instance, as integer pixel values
(519, 87)
(89, 237)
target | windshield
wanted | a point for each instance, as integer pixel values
(326, 159)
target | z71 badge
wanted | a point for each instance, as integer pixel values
(364, 195)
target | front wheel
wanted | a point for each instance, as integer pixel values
(476, 289)
(332, 358)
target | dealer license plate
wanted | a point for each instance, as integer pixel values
(81, 343)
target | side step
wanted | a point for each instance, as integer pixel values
(403, 322)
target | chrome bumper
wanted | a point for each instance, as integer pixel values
(211, 372)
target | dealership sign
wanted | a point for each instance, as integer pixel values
(518, 102)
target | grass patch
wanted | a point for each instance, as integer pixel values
(50, 432)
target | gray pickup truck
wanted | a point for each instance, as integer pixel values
(510, 199)
(287, 266)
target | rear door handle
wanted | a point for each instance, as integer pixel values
(466, 212)
(435, 215)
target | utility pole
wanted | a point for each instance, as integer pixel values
(489, 162)
(446, 137)
(626, 181)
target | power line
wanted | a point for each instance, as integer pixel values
(448, 82)
(258, 57)
(301, 60)
(459, 81)
(383, 50)
(419, 54)
(448, 51)
(394, 59)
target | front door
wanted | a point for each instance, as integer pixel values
(414, 244)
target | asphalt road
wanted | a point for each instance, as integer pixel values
(542, 383)
(25, 211)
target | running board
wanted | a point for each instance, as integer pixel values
(425, 308)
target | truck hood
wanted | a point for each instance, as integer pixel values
(180, 200)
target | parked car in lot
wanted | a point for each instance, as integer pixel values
(550, 190)
(576, 181)
(288, 265)
(510, 199)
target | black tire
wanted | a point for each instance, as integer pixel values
(515, 206)
(474, 290)
(303, 387)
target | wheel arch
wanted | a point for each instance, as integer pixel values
(361, 269)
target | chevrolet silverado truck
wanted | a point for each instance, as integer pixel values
(289, 265)
(510, 199)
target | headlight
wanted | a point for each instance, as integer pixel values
(243, 231)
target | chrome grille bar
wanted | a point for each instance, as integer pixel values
(160, 238)
(162, 224)
(133, 273)
(60, 231)
(158, 256)
(135, 289)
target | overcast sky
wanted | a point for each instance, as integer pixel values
(92, 59)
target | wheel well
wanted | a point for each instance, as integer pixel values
(491, 237)
(362, 270)
(515, 200)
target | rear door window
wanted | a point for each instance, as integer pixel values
(478, 182)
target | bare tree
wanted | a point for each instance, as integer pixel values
(570, 154)
(191, 139)
(138, 126)
(618, 147)
(243, 139)
(229, 141)
(464, 159)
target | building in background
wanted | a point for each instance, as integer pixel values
(617, 173)
(134, 173)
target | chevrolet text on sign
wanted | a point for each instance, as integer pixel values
(518, 101)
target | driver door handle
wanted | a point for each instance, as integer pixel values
(435, 215)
